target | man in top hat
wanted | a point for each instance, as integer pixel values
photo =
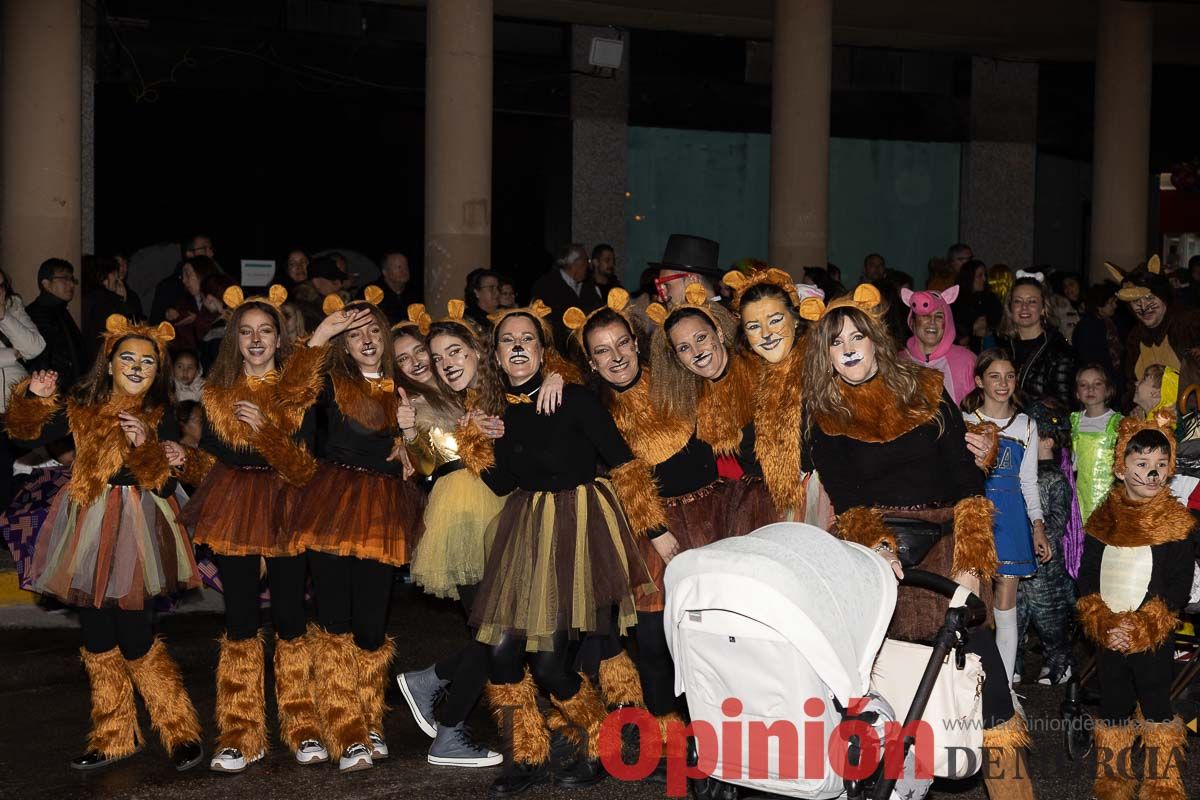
(687, 259)
(1163, 334)
(567, 284)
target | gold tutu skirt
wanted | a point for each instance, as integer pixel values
(559, 561)
(452, 551)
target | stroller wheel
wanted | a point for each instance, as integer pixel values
(712, 789)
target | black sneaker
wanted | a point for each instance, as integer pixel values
(519, 777)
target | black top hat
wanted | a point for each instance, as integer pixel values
(690, 254)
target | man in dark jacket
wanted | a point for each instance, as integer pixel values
(567, 284)
(395, 282)
(65, 352)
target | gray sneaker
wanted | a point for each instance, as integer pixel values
(453, 747)
(422, 689)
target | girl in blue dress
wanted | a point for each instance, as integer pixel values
(1012, 487)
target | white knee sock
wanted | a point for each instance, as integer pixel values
(1006, 638)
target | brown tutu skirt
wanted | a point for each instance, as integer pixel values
(244, 511)
(749, 506)
(345, 511)
(125, 547)
(559, 561)
(694, 519)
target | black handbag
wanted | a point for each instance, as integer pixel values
(915, 537)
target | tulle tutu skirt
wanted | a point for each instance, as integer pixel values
(345, 511)
(694, 519)
(559, 561)
(749, 506)
(452, 550)
(244, 511)
(125, 547)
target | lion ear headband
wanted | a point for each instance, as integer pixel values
(117, 327)
(418, 315)
(575, 319)
(373, 295)
(234, 296)
(741, 283)
(866, 298)
(694, 296)
(1129, 290)
(537, 309)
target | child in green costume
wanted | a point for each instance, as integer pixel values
(1093, 437)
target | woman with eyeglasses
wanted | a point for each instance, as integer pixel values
(1045, 363)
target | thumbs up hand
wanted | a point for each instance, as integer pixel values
(406, 415)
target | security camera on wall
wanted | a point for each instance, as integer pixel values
(606, 53)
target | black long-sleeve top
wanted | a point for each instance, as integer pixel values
(554, 452)
(926, 466)
(347, 441)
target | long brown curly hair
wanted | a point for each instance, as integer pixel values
(823, 387)
(228, 366)
(676, 389)
(488, 392)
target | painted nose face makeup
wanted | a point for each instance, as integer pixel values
(851, 358)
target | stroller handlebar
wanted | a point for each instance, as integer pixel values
(931, 581)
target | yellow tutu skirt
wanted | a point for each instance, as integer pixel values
(451, 552)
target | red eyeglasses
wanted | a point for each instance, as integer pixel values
(660, 284)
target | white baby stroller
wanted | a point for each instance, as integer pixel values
(788, 620)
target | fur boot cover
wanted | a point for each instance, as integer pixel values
(114, 732)
(584, 713)
(241, 703)
(157, 678)
(374, 672)
(294, 695)
(619, 682)
(336, 674)
(1164, 743)
(518, 703)
(1114, 771)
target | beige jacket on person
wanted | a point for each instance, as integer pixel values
(21, 341)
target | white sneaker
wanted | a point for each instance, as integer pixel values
(312, 752)
(1056, 680)
(1045, 671)
(1016, 679)
(379, 748)
(356, 757)
(230, 759)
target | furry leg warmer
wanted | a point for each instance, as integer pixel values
(157, 678)
(114, 731)
(241, 703)
(582, 714)
(1115, 779)
(530, 737)
(619, 682)
(294, 693)
(1006, 773)
(336, 677)
(374, 672)
(1165, 743)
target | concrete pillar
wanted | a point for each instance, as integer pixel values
(39, 138)
(458, 146)
(88, 131)
(599, 144)
(999, 166)
(1121, 154)
(803, 57)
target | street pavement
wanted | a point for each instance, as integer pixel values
(44, 697)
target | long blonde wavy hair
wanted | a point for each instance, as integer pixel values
(823, 386)
(676, 389)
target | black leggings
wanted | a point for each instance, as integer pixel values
(285, 578)
(106, 628)
(353, 595)
(466, 669)
(1127, 680)
(552, 670)
(654, 664)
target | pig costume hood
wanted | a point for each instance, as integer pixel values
(956, 363)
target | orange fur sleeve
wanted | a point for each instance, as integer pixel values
(1095, 618)
(28, 413)
(1152, 625)
(148, 464)
(639, 497)
(303, 376)
(974, 545)
(475, 448)
(865, 526)
(556, 363)
(196, 466)
(292, 461)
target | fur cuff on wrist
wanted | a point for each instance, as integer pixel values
(292, 461)
(196, 465)
(1095, 618)
(1153, 625)
(28, 413)
(974, 546)
(638, 494)
(303, 376)
(475, 448)
(865, 526)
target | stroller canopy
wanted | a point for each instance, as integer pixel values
(832, 600)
